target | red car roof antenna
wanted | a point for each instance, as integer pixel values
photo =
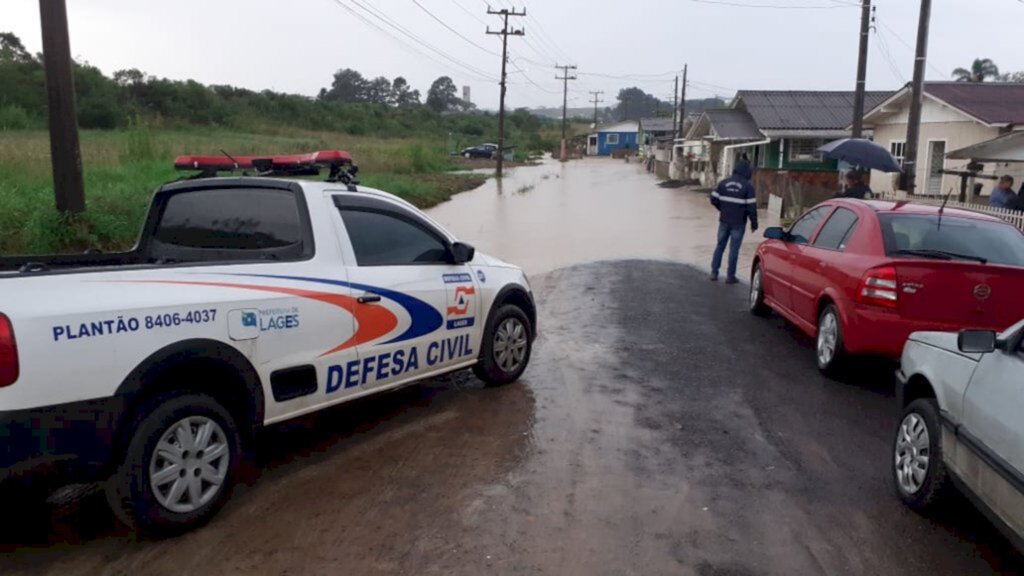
(342, 168)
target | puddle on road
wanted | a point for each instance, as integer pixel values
(555, 215)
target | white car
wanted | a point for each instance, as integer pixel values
(246, 302)
(962, 397)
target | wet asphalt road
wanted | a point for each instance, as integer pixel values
(660, 429)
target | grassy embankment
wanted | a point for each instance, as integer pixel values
(122, 168)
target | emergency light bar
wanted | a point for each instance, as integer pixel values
(282, 162)
(342, 169)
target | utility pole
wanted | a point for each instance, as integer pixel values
(65, 152)
(675, 106)
(505, 32)
(862, 69)
(565, 77)
(916, 96)
(682, 105)
(595, 94)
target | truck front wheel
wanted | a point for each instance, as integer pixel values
(508, 340)
(179, 465)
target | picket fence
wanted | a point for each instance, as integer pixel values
(1014, 217)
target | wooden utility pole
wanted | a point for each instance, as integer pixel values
(505, 32)
(682, 105)
(916, 96)
(65, 152)
(862, 69)
(565, 77)
(595, 94)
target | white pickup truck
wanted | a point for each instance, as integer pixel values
(246, 301)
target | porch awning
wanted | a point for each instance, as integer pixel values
(1006, 148)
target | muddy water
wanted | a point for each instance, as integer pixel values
(554, 215)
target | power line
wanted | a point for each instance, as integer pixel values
(453, 30)
(386, 32)
(777, 6)
(388, 21)
(467, 11)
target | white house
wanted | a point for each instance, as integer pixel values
(954, 115)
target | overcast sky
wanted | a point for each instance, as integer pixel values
(295, 45)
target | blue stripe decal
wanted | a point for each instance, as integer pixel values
(425, 319)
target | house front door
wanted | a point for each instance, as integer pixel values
(936, 162)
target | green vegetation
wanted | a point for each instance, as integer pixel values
(134, 125)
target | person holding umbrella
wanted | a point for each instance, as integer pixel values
(855, 186)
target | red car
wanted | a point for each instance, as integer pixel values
(861, 275)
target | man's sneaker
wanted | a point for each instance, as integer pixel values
(732, 280)
(714, 278)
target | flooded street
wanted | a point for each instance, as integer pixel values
(660, 429)
(554, 215)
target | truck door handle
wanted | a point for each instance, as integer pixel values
(368, 298)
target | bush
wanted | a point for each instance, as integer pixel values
(15, 118)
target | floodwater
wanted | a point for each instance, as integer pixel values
(558, 214)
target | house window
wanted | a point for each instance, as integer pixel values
(612, 139)
(805, 150)
(898, 150)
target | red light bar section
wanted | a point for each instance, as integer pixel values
(225, 164)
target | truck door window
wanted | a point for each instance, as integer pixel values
(231, 219)
(385, 240)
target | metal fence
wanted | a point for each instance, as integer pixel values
(1014, 217)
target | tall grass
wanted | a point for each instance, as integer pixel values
(122, 168)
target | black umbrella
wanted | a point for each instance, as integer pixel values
(862, 153)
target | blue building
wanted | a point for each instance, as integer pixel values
(613, 137)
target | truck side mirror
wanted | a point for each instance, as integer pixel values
(462, 253)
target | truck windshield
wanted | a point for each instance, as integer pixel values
(920, 235)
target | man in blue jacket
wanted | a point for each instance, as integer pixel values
(735, 200)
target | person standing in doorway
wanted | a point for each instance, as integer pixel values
(736, 202)
(1003, 195)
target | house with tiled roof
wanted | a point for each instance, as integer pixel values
(777, 131)
(954, 116)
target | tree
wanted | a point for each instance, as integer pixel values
(12, 50)
(981, 69)
(348, 86)
(442, 95)
(378, 91)
(1015, 77)
(634, 104)
(401, 95)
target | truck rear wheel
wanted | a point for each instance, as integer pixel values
(179, 465)
(508, 341)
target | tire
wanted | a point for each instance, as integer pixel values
(507, 344)
(921, 485)
(150, 507)
(828, 342)
(756, 304)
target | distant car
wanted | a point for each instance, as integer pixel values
(961, 401)
(861, 275)
(480, 151)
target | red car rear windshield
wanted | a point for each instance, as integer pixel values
(922, 236)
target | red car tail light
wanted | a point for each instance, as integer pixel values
(8, 353)
(879, 288)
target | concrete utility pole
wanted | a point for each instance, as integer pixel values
(65, 152)
(682, 105)
(862, 69)
(565, 97)
(916, 96)
(595, 94)
(505, 32)
(675, 106)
